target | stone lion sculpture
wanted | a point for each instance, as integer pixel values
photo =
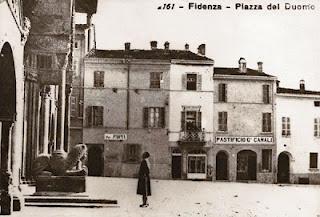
(61, 163)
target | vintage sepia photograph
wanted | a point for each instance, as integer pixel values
(158, 108)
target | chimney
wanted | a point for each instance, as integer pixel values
(127, 46)
(153, 45)
(166, 45)
(278, 83)
(242, 65)
(302, 85)
(202, 49)
(260, 67)
(186, 47)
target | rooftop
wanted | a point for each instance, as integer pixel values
(236, 71)
(297, 91)
(160, 54)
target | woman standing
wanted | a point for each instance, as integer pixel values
(144, 187)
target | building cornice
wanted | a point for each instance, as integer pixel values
(243, 77)
(289, 95)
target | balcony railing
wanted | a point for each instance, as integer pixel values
(192, 136)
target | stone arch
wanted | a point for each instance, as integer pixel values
(246, 165)
(283, 167)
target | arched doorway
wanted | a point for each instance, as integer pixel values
(176, 164)
(283, 175)
(246, 165)
(95, 160)
(222, 166)
(7, 118)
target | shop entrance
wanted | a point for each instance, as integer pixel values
(283, 175)
(95, 159)
(246, 165)
(222, 166)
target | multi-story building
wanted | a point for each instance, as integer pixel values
(131, 98)
(298, 135)
(14, 29)
(244, 124)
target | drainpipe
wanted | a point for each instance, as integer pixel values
(127, 61)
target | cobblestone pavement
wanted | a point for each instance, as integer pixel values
(189, 198)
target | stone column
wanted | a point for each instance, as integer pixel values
(6, 197)
(184, 164)
(45, 103)
(67, 118)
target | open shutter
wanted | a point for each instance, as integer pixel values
(101, 79)
(100, 116)
(163, 117)
(184, 81)
(183, 121)
(225, 93)
(145, 117)
(199, 82)
(89, 116)
(95, 79)
(199, 121)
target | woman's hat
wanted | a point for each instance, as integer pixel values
(145, 155)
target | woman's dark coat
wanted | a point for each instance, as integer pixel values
(144, 179)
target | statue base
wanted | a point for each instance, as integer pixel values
(71, 184)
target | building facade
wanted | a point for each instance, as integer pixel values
(127, 102)
(298, 135)
(244, 147)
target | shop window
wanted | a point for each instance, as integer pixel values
(94, 115)
(154, 117)
(44, 62)
(98, 79)
(317, 127)
(132, 152)
(267, 160)
(313, 160)
(155, 79)
(286, 126)
(266, 122)
(222, 92)
(223, 121)
(266, 93)
(196, 164)
(191, 121)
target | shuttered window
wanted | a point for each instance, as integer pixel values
(267, 160)
(223, 121)
(266, 93)
(313, 160)
(191, 121)
(266, 122)
(94, 116)
(286, 128)
(192, 81)
(155, 79)
(98, 79)
(154, 117)
(222, 92)
(132, 152)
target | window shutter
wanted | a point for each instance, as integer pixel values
(183, 117)
(89, 116)
(163, 117)
(101, 79)
(199, 121)
(145, 117)
(95, 79)
(199, 82)
(184, 81)
(225, 92)
(100, 116)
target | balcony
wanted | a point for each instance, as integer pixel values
(192, 137)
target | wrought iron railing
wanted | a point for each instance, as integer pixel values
(193, 135)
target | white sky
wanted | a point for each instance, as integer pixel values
(287, 42)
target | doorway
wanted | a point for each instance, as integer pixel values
(246, 165)
(95, 159)
(176, 166)
(222, 166)
(283, 175)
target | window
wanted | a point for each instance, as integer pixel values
(73, 108)
(313, 160)
(154, 117)
(317, 127)
(132, 152)
(196, 164)
(155, 79)
(222, 92)
(98, 79)
(191, 121)
(267, 160)
(286, 126)
(266, 93)
(44, 62)
(223, 121)
(317, 103)
(191, 81)
(94, 115)
(266, 122)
